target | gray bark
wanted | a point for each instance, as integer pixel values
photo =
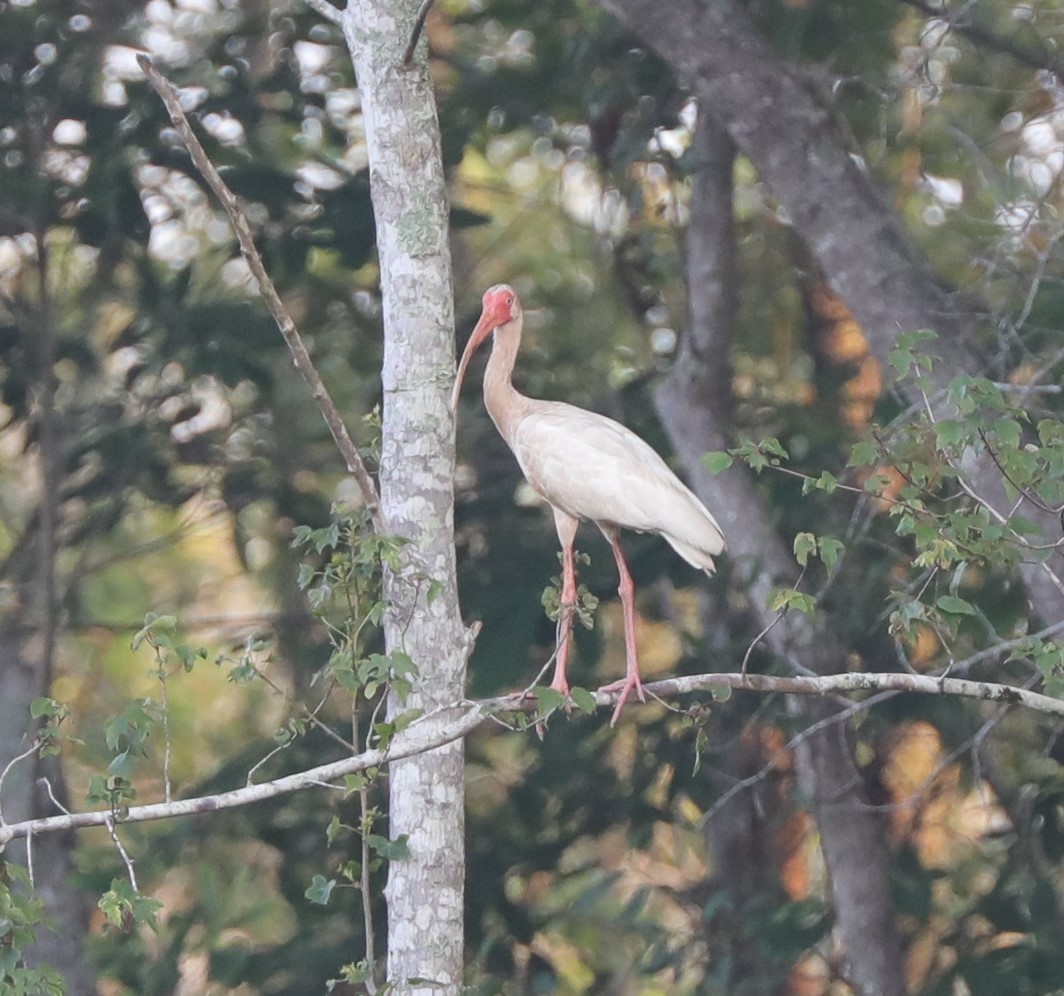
(21, 681)
(425, 892)
(833, 204)
(28, 637)
(693, 404)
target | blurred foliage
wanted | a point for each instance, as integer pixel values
(191, 458)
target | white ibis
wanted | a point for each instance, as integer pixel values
(587, 467)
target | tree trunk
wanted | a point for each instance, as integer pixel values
(425, 891)
(693, 404)
(27, 666)
(834, 206)
(21, 682)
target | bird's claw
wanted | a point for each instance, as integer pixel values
(625, 686)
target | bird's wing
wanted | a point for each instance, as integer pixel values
(594, 468)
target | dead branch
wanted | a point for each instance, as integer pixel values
(242, 229)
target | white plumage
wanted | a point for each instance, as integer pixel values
(589, 467)
(593, 468)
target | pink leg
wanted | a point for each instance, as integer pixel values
(566, 527)
(626, 590)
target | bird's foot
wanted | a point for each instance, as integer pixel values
(625, 686)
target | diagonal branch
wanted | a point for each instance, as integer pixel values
(415, 33)
(241, 227)
(327, 10)
(453, 722)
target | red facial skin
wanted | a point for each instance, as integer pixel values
(499, 306)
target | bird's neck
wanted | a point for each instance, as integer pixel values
(504, 403)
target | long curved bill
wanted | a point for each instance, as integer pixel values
(484, 327)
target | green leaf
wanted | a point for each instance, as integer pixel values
(770, 444)
(830, 550)
(804, 545)
(125, 908)
(827, 482)
(404, 719)
(583, 700)
(955, 605)
(121, 765)
(354, 783)
(863, 454)
(43, 707)
(320, 889)
(189, 655)
(549, 699)
(304, 576)
(393, 850)
(357, 974)
(789, 598)
(718, 461)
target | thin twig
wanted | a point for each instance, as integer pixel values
(540, 676)
(772, 765)
(1002, 520)
(365, 882)
(415, 33)
(310, 715)
(1022, 491)
(327, 10)
(167, 746)
(768, 629)
(250, 779)
(28, 752)
(109, 822)
(246, 239)
(51, 795)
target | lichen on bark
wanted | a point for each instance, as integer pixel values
(424, 892)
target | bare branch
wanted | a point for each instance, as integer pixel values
(365, 877)
(109, 822)
(167, 744)
(51, 795)
(241, 227)
(767, 629)
(327, 10)
(415, 33)
(1040, 57)
(433, 730)
(452, 722)
(28, 752)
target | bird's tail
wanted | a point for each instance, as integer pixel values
(696, 557)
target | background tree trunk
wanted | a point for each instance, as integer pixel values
(28, 659)
(694, 403)
(21, 681)
(834, 206)
(424, 892)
